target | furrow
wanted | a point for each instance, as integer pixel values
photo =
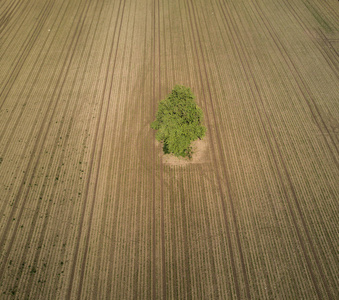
(36, 149)
(202, 70)
(29, 43)
(328, 56)
(91, 162)
(162, 224)
(75, 110)
(294, 217)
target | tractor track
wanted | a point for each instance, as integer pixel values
(214, 154)
(30, 135)
(256, 92)
(93, 150)
(40, 137)
(75, 108)
(29, 43)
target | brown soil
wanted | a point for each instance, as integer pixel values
(200, 154)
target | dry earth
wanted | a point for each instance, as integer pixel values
(90, 208)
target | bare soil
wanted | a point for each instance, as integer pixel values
(200, 155)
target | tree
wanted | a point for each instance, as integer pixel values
(178, 122)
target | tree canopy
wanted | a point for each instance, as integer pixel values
(179, 122)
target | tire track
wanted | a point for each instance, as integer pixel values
(249, 77)
(186, 56)
(26, 195)
(137, 251)
(302, 86)
(37, 116)
(266, 268)
(120, 160)
(329, 240)
(40, 137)
(184, 224)
(173, 235)
(216, 294)
(94, 146)
(5, 11)
(333, 64)
(3, 35)
(121, 180)
(32, 84)
(31, 39)
(227, 229)
(256, 91)
(331, 246)
(7, 14)
(276, 41)
(330, 9)
(5, 22)
(153, 159)
(170, 42)
(36, 212)
(70, 214)
(319, 215)
(201, 70)
(269, 288)
(2, 5)
(30, 135)
(163, 254)
(75, 108)
(107, 192)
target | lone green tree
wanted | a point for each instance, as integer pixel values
(179, 122)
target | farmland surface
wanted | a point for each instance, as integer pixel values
(90, 208)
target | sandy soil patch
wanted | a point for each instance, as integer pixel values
(200, 154)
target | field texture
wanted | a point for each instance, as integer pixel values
(90, 208)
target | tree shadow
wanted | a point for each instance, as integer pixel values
(165, 149)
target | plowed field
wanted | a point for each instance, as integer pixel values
(89, 206)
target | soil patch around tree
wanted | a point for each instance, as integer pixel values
(200, 154)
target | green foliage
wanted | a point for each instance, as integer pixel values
(178, 122)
